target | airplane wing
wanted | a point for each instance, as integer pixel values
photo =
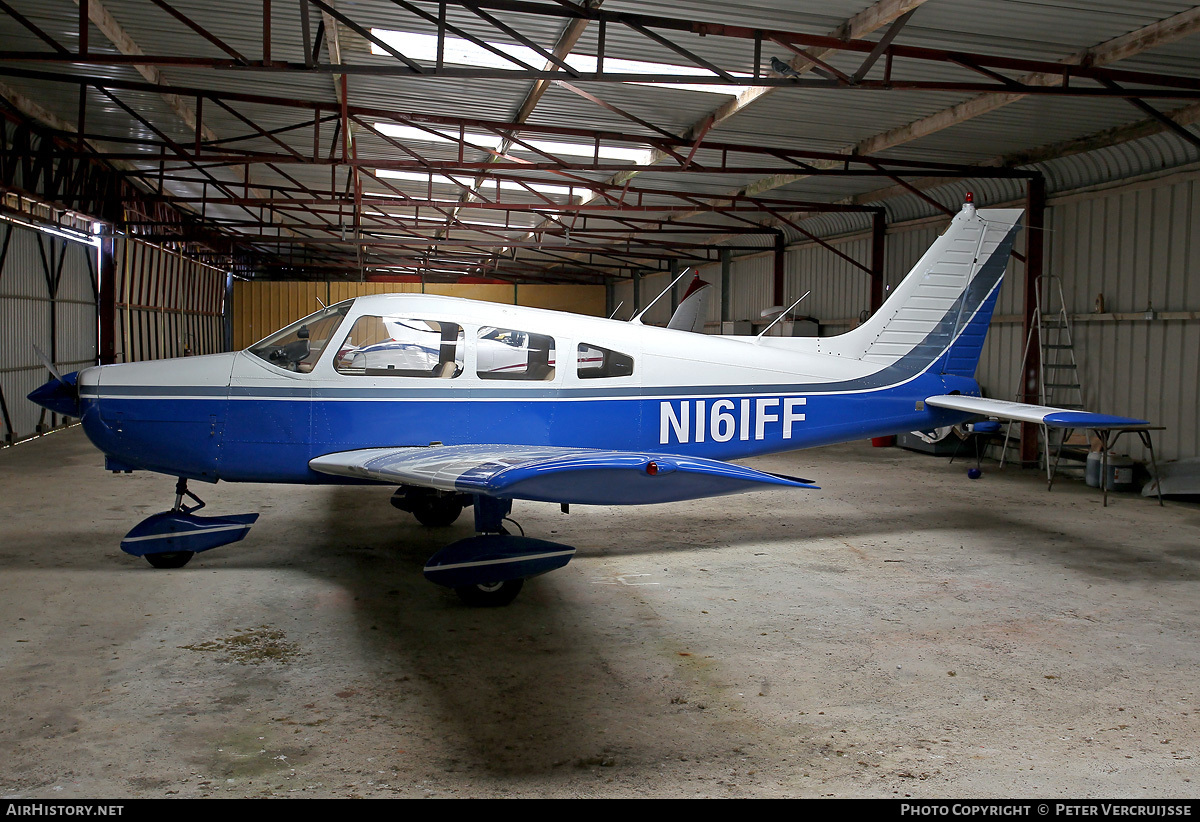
(1040, 414)
(584, 476)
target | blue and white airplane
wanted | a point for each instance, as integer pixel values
(481, 404)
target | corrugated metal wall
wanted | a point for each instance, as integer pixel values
(1134, 247)
(167, 305)
(840, 292)
(261, 308)
(752, 287)
(622, 300)
(48, 297)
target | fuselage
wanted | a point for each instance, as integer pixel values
(507, 375)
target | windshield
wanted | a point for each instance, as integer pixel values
(299, 346)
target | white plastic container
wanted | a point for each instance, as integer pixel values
(1120, 472)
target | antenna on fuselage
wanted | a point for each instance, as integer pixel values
(638, 317)
(615, 310)
(782, 314)
(322, 302)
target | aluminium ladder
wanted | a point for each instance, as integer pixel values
(1058, 373)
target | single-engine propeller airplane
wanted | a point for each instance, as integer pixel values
(463, 403)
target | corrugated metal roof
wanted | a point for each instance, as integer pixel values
(817, 119)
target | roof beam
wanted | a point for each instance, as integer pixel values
(125, 44)
(869, 20)
(1156, 34)
(873, 18)
(1182, 117)
(111, 29)
(565, 45)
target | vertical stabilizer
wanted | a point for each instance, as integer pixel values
(941, 310)
(693, 309)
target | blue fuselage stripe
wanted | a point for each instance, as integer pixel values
(263, 439)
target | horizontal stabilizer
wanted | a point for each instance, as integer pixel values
(583, 476)
(1041, 414)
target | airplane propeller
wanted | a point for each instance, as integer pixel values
(46, 361)
(60, 394)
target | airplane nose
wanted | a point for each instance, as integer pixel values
(59, 395)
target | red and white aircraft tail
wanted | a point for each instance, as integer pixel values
(693, 308)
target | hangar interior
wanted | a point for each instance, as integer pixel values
(183, 177)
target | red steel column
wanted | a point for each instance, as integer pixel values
(106, 308)
(878, 226)
(1035, 223)
(780, 268)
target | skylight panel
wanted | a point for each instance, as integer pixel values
(457, 51)
(444, 179)
(472, 223)
(641, 156)
(420, 135)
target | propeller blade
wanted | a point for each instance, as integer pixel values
(49, 365)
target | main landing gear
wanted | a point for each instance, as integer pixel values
(490, 568)
(171, 538)
(431, 507)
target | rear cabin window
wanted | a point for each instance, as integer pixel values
(509, 354)
(594, 362)
(401, 347)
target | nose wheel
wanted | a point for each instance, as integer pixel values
(171, 538)
(170, 559)
(490, 594)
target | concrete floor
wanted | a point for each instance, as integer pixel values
(902, 632)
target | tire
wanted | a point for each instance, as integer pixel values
(437, 511)
(170, 559)
(490, 595)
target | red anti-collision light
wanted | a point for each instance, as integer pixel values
(970, 196)
(652, 468)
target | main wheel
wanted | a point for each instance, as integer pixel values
(170, 559)
(436, 510)
(490, 594)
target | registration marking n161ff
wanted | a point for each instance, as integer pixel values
(721, 420)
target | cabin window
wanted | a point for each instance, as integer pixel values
(298, 346)
(593, 362)
(508, 354)
(401, 347)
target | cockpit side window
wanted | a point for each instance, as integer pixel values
(382, 346)
(509, 354)
(299, 346)
(593, 362)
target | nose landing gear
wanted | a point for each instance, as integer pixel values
(170, 539)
